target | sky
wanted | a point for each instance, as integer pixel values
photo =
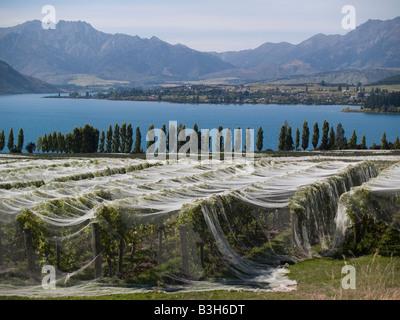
(205, 25)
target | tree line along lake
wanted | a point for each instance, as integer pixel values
(38, 116)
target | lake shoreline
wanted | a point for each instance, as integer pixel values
(368, 111)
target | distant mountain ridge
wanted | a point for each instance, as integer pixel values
(12, 82)
(75, 50)
(359, 48)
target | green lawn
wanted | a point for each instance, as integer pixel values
(377, 278)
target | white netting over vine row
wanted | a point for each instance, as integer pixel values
(140, 206)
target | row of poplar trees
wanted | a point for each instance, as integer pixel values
(330, 139)
(10, 142)
(89, 140)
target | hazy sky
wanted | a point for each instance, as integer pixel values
(207, 25)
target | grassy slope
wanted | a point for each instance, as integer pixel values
(317, 279)
(320, 278)
(377, 278)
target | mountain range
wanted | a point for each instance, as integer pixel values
(12, 82)
(76, 53)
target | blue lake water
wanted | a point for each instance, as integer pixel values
(38, 116)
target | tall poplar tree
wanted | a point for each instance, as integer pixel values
(332, 139)
(109, 139)
(45, 144)
(102, 142)
(315, 136)
(20, 140)
(396, 145)
(123, 137)
(54, 146)
(129, 139)
(77, 140)
(305, 138)
(297, 141)
(10, 142)
(60, 142)
(384, 142)
(116, 142)
(138, 141)
(39, 144)
(289, 146)
(260, 139)
(282, 137)
(363, 142)
(352, 144)
(325, 136)
(220, 139)
(340, 139)
(2, 140)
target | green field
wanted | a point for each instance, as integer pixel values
(377, 278)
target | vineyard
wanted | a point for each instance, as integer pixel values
(112, 225)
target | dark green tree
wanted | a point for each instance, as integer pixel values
(39, 144)
(305, 138)
(102, 142)
(282, 137)
(396, 145)
(116, 142)
(109, 140)
(77, 140)
(315, 136)
(297, 141)
(90, 139)
(260, 139)
(122, 134)
(325, 136)
(363, 142)
(69, 142)
(352, 144)
(60, 143)
(10, 142)
(20, 140)
(30, 147)
(129, 139)
(54, 146)
(220, 139)
(2, 140)
(45, 144)
(332, 139)
(289, 145)
(49, 142)
(340, 140)
(384, 144)
(138, 141)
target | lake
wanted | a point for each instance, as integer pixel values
(38, 116)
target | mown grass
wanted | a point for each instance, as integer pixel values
(377, 278)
